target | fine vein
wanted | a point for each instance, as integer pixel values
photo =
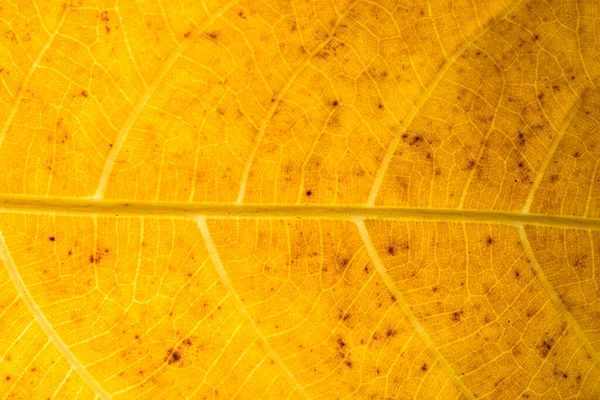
(425, 96)
(137, 110)
(25, 85)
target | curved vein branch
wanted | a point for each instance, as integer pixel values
(558, 303)
(216, 259)
(433, 348)
(41, 319)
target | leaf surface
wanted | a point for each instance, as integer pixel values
(307, 200)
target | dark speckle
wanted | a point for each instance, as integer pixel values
(489, 241)
(213, 35)
(424, 367)
(173, 357)
(546, 346)
(576, 154)
(335, 103)
(456, 316)
(391, 250)
(51, 238)
(8, 377)
(308, 193)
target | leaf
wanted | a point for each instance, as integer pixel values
(300, 199)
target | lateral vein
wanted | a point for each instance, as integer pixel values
(45, 324)
(401, 302)
(216, 259)
(558, 303)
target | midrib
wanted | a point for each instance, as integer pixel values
(72, 206)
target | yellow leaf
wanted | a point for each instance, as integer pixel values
(308, 200)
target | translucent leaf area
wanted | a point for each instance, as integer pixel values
(296, 199)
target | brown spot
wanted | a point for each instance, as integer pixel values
(416, 140)
(391, 250)
(175, 357)
(187, 34)
(576, 154)
(489, 241)
(545, 347)
(517, 274)
(341, 343)
(308, 192)
(335, 103)
(391, 333)
(213, 35)
(424, 367)
(456, 316)
(84, 93)
(349, 364)
(8, 377)
(51, 238)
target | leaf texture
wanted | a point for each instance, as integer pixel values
(300, 199)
